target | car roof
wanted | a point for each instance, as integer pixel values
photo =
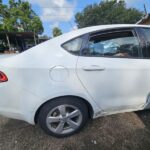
(82, 31)
(102, 27)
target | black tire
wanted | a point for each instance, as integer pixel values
(49, 106)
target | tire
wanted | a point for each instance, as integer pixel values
(63, 117)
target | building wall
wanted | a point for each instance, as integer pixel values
(146, 22)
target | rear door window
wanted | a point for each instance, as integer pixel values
(146, 51)
(123, 44)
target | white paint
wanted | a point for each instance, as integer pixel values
(31, 82)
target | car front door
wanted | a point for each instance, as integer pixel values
(111, 69)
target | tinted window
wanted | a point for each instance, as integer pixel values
(118, 44)
(74, 45)
(146, 51)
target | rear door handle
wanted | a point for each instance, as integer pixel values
(93, 68)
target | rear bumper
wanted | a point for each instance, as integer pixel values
(17, 103)
(17, 115)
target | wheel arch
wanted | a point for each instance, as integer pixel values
(89, 106)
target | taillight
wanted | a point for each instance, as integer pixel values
(3, 77)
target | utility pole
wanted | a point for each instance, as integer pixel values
(145, 9)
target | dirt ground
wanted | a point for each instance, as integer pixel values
(128, 131)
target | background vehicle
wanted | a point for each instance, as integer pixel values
(83, 74)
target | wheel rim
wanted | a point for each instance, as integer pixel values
(64, 119)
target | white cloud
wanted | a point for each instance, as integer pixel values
(55, 10)
(132, 2)
(75, 27)
(55, 24)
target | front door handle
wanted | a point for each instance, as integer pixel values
(93, 68)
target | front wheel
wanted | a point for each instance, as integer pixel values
(63, 117)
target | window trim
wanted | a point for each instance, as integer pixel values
(108, 31)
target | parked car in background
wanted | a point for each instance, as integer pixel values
(87, 73)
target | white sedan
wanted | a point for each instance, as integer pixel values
(83, 74)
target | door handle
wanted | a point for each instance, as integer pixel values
(93, 68)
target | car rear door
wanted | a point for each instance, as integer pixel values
(111, 69)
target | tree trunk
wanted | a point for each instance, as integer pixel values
(17, 44)
(8, 41)
(35, 39)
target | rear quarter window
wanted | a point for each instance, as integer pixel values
(73, 46)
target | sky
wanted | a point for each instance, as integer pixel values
(60, 13)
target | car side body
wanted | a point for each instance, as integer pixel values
(108, 85)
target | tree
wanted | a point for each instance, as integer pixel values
(107, 12)
(56, 32)
(6, 20)
(19, 16)
(28, 18)
(12, 3)
(1, 10)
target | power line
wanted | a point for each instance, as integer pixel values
(64, 7)
(66, 15)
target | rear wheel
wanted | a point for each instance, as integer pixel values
(63, 117)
